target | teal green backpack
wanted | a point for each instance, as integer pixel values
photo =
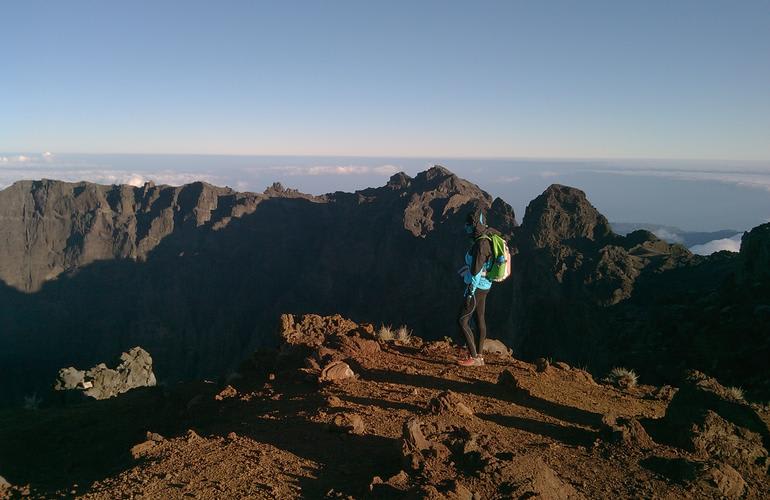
(501, 261)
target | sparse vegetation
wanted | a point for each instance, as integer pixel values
(32, 402)
(385, 333)
(735, 393)
(404, 334)
(448, 340)
(622, 377)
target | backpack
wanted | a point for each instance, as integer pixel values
(501, 258)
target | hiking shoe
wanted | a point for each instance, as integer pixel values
(477, 361)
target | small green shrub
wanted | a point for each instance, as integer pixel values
(735, 393)
(32, 402)
(385, 333)
(403, 334)
(622, 377)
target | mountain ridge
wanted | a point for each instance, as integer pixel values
(203, 272)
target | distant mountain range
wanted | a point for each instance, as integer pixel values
(674, 234)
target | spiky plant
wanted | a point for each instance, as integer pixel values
(385, 333)
(403, 334)
(735, 393)
(622, 377)
(32, 402)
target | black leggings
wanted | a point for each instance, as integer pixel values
(474, 303)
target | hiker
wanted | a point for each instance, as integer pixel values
(478, 261)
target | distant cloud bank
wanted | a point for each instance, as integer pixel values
(110, 169)
(759, 180)
(337, 170)
(732, 244)
(48, 166)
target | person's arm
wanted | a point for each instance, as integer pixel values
(480, 254)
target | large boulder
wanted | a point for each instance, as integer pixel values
(101, 382)
(495, 346)
(705, 418)
(530, 477)
(449, 402)
(723, 481)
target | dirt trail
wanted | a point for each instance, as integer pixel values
(411, 423)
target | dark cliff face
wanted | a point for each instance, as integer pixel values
(569, 272)
(754, 265)
(51, 227)
(198, 275)
(585, 294)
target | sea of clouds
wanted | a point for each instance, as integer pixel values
(732, 244)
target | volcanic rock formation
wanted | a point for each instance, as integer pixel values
(198, 274)
(100, 382)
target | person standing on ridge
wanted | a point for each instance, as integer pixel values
(478, 261)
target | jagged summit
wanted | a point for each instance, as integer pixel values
(399, 181)
(435, 174)
(563, 213)
(755, 255)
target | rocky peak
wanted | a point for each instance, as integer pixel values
(278, 190)
(437, 195)
(754, 260)
(438, 178)
(399, 181)
(436, 172)
(563, 213)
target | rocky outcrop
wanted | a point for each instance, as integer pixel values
(52, 227)
(754, 260)
(571, 269)
(100, 382)
(707, 419)
(569, 246)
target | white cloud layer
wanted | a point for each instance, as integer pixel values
(47, 165)
(732, 244)
(509, 179)
(14, 167)
(5, 160)
(337, 170)
(743, 179)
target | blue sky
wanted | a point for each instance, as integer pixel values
(653, 79)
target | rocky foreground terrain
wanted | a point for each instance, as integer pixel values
(337, 412)
(198, 274)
